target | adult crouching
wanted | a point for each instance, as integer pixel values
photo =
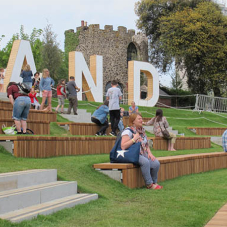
(99, 117)
(148, 163)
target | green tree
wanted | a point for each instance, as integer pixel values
(193, 33)
(52, 56)
(36, 46)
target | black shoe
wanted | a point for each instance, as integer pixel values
(112, 133)
(76, 114)
(97, 134)
(19, 133)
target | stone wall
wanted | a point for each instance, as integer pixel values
(113, 46)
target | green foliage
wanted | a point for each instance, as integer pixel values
(36, 46)
(52, 56)
(71, 42)
(5, 52)
(193, 33)
(178, 101)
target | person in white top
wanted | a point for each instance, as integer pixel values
(114, 96)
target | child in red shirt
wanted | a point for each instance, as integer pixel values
(61, 93)
(34, 100)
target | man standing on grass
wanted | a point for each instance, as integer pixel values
(114, 95)
(72, 89)
(224, 140)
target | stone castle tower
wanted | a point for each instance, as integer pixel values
(116, 47)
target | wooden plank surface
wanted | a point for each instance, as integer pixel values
(219, 219)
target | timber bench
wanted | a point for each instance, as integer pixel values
(39, 115)
(51, 146)
(38, 127)
(208, 131)
(82, 128)
(171, 167)
(182, 143)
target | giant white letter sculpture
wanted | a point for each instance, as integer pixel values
(91, 81)
(21, 54)
(134, 69)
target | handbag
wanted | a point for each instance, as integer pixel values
(9, 130)
(130, 155)
(165, 132)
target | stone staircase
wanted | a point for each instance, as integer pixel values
(150, 129)
(82, 117)
(217, 140)
(26, 194)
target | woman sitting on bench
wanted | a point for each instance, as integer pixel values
(148, 163)
(160, 123)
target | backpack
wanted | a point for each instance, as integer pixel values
(23, 88)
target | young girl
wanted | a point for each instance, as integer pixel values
(34, 100)
(1, 80)
(45, 87)
(61, 93)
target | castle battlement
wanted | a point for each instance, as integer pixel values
(107, 28)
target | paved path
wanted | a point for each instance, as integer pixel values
(219, 219)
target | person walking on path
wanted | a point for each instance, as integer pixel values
(72, 90)
(114, 96)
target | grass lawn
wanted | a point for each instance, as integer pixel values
(188, 201)
(185, 201)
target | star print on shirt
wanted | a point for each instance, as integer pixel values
(121, 153)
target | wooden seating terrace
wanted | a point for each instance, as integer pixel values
(38, 127)
(171, 167)
(208, 131)
(182, 143)
(33, 114)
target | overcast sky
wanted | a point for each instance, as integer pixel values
(64, 15)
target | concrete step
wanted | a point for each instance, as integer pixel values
(81, 118)
(151, 128)
(79, 111)
(15, 180)
(48, 207)
(216, 139)
(16, 199)
(3, 96)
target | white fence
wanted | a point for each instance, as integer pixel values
(209, 103)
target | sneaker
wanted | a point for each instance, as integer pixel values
(104, 134)
(97, 134)
(112, 133)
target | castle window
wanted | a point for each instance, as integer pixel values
(131, 52)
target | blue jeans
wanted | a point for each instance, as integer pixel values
(120, 126)
(21, 108)
(149, 169)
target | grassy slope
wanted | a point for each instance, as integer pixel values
(186, 201)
